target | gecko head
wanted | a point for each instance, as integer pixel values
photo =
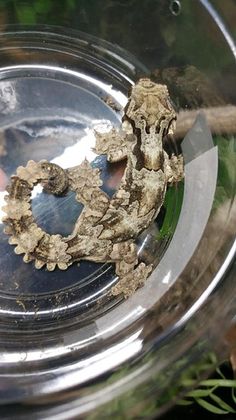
(152, 113)
(153, 104)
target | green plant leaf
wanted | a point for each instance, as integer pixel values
(233, 395)
(185, 402)
(206, 388)
(71, 4)
(173, 203)
(222, 404)
(25, 14)
(226, 383)
(200, 393)
(220, 373)
(42, 6)
(210, 407)
(227, 169)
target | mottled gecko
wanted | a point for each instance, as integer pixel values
(107, 228)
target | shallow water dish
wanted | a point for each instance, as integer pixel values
(66, 347)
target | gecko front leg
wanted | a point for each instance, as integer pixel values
(117, 145)
(125, 256)
(174, 168)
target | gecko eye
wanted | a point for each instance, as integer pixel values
(158, 126)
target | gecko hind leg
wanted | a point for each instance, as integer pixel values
(131, 275)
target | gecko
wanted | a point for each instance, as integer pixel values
(107, 228)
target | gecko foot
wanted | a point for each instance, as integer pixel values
(174, 168)
(132, 281)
